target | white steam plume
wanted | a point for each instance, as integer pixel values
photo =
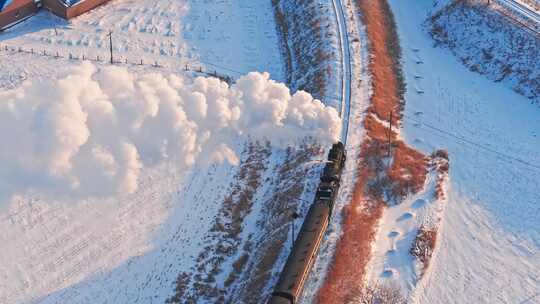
(91, 132)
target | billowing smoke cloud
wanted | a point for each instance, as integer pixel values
(91, 132)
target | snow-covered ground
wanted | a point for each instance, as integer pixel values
(360, 94)
(131, 248)
(240, 29)
(490, 43)
(532, 4)
(489, 244)
(232, 37)
(123, 250)
(392, 262)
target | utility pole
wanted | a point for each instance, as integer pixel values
(390, 137)
(110, 45)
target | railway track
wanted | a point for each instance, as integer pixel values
(346, 68)
(290, 285)
(521, 9)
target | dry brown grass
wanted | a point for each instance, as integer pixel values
(406, 174)
(408, 171)
(409, 167)
(441, 163)
(182, 283)
(223, 239)
(288, 185)
(423, 246)
(384, 66)
(377, 294)
(353, 249)
(376, 130)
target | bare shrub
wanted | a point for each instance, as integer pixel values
(515, 63)
(306, 33)
(377, 294)
(286, 187)
(223, 240)
(440, 162)
(423, 246)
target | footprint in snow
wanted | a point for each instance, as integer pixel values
(393, 234)
(419, 203)
(389, 273)
(405, 216)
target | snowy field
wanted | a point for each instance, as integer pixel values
(130, 247)
(156, 207)
(230, 36)
(489, 247)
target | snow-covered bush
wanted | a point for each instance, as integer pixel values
(377, 294)
(309, 45)
(489, 43)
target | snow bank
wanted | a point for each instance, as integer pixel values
(310, 46)
(489, 239)
(489, 44)
(90, 132)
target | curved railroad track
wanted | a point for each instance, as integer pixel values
(346, 68)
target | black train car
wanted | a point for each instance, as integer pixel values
(301, 259)
(296, 270)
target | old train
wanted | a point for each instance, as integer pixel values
(306, 246)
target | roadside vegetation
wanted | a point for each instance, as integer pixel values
(490, 42)
(377, 294)
(224, 239)
(388, 170)
(309, 45)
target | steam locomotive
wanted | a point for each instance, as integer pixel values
(306, 246)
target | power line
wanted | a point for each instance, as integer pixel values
(473, 143)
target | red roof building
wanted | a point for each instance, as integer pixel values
(19, 10)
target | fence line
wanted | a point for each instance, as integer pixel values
(196, 68)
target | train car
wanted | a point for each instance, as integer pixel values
(303, 254)
(305, 249)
